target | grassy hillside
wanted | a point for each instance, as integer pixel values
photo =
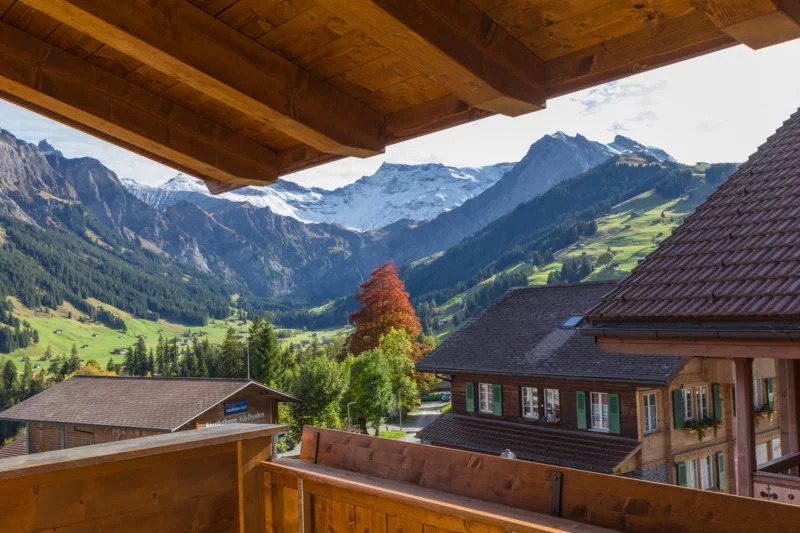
(96, 341)
(630, 231)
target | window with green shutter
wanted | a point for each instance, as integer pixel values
(717, 399)
(580, 400)
(613, 414)
(677, 410)
(497, 400)
(680, 475)
(721, 471)
(470, 397)
(769, 384)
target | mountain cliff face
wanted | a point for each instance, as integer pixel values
(261, 238)
(394, 192)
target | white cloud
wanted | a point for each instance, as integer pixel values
(718, 107)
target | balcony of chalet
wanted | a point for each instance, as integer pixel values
(224, 479)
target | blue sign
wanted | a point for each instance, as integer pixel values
(233, 408)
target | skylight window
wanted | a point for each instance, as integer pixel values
(573, 321)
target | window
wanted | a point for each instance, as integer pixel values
(486, 404)
(691, 474)
(573, 321)
(530, 402)
(761, 454)
(552, 405)
(706, 473)
(600, 411)
(758, 394)
(650, 413)
(688, 404)
(702, 402)
(776, 448)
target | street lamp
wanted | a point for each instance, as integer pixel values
(349, 425)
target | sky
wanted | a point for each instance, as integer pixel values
(719, 107)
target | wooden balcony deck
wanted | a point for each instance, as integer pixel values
(222, 479)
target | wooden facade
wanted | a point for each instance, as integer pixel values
(49, 436)
(241, 91)
(672, 447)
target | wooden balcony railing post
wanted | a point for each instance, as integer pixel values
(745, 433)
(252, 497)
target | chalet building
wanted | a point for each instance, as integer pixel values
(526, 381)
(87, 410)
(725, 286)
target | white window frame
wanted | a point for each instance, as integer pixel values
(762, 457)
(599, 405)
(706, 473)
(552, 405)
(701, 393)
(691, 474)
(530, 403)
(688, 404)
(775, 445)
(650, 406)
(758, 393)
(485, 397)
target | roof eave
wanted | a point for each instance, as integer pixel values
(632, 381)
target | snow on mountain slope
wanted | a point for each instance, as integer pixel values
(395, 192)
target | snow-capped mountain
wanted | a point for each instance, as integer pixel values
(395, 192)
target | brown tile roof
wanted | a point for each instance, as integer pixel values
(587, 451)
(521, 335)
(160, 404)
(736, 258)
(17, 447)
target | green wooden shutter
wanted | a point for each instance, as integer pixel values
(770, 396)
(470, 397)
(677, 411)
(717, 401)
(613, 414)
(680, 474)
(580, 400)
(497, 400)
(721, 471)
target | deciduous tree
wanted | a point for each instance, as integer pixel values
(384, 306)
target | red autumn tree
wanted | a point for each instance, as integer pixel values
(384, 306)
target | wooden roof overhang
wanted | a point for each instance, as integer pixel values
(239, 92)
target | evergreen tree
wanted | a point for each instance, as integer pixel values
(10, 377)
(27, 378)
(111, 367)
(231, 356)
(74, 361)
(269, 362)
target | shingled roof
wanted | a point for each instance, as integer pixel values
(522, 334)
(737, 258)
(158, 404)
(587, 451)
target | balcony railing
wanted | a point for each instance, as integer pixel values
(779, 480)
(222, 479)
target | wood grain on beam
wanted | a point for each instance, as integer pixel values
(187, 43)
(456, 44)
(756, 23)
(62, 86)
(668, 42)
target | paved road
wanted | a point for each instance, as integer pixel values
(413, 422)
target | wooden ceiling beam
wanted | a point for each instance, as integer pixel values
(61, 86)
(756, 23)
(457, 45)
(652, 47)
(181, 40)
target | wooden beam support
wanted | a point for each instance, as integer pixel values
(61, 86)
(788, 374)
(456, 44)
(745, 429)
(756, 23)
(652, 47)
(181, 40)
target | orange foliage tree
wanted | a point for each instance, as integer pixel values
(384, 306)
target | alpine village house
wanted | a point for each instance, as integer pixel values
(527, 384)
(240, 92)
